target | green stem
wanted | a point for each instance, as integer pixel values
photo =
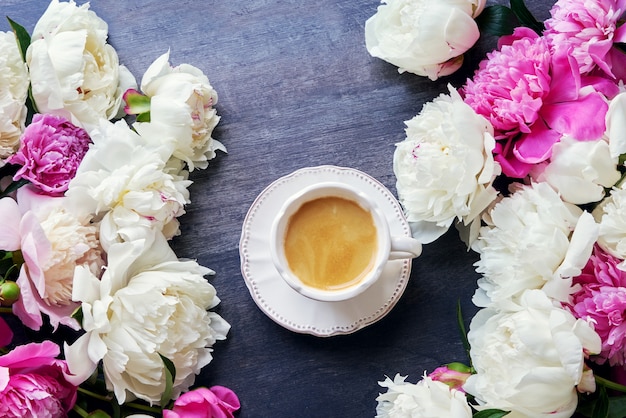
(94, 395)
(610, 385)
(5, 309)
(80, 411)
(146, 408)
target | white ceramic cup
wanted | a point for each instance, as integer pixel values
(388, 247)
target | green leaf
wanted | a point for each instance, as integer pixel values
(13, 187)
(601, 407)
(617, 407)
(98, 414)
(170, 376)
(22, 37)
(497, 20)
(525, 17)
(143, 117)
(491, 413)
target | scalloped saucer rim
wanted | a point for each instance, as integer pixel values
(287, 307)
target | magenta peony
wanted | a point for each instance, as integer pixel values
(50, 152)
(216, 402)
(588, 30)
(33, 384)
(601, 300)
(532, 98)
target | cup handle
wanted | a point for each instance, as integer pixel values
(404, 247)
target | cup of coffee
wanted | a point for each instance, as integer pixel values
(331, 241)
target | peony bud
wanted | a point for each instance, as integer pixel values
(9, 293)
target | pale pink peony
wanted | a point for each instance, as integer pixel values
(53, 241)
(33, 383)
(601, 300)
(532, 98)
(587, 30)
(215, 402)
(50, 152)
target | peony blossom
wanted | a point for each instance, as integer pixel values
(124, 181)
(601, 301)
(423, 37)
(611, 215)
(579, 170)
(74, 72)
(444, 168)
(50, 153)
(427, 398)
(182, 107)
(13, 91)
(530, 97)
(538, 350)
(532, 240)
(588, 30)
(147, 304)
(53, 241)
(215, 402)
(451, 376)
(33, 383)
(616, 125)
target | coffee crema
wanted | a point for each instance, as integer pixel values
(330, 243)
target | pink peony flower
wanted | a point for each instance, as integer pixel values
(50, 152)
(588, 30)
(53, 241)
(532, 98)
(216, 402)
(601, 300)
(33, 383)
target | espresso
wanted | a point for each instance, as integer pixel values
(330, 243)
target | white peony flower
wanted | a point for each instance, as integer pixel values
(579, 170)
(533, 240)
(611, 215)
(124, 179)
(148, 304)
(426, 399)
(13, 91)
(74, 72)
(181, 105)
(616, 125)
(444, 168)
(538, 350)
(424, 37)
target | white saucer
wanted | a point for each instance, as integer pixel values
(286, 306)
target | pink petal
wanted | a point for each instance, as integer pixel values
(583, 119)
(536, 146)
(31, 355)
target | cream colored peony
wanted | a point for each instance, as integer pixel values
(74, 72)
(444, 168)
(531, 360)
(532, 240)
(124, 181)
(148, 304)
(13, 91)
(181, 106)
(424, 37)
(579, 170)
(425, 399)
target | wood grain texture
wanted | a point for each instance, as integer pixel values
(296, 88)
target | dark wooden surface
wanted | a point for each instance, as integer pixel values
(296, 88)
